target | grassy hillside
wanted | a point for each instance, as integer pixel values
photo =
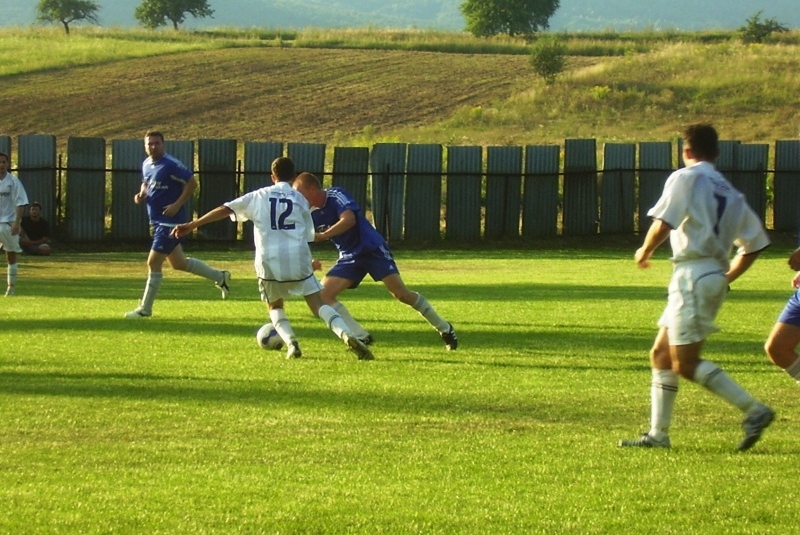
(251, 86)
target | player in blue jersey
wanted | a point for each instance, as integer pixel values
(166, 186)
(282, 230)
(781, 346)
(362, 251)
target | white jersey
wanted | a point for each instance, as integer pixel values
(282, 231)
(708, 216)
(12, 195)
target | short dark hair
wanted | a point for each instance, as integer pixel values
(283, 169)
(702, 138)
(6, 155)
(36, 204)
(154, 133)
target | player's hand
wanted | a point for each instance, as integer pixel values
(794, 260)
(316, 265)
(139, 197)
(181, 230)
(170, 210)
(642, 257)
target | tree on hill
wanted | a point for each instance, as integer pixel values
(511, 17)
(155, 13)
(66, 11)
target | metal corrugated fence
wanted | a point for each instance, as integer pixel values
(419, 192)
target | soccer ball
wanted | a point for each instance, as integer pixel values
(268, 338)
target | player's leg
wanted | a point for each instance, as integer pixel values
(155, 262)
(394, 283)
(781, 345)
(332, 287)
(702, 303)
(312, 293)
(11, 273)
(273, 293)
(663, 392)
(178, 260)
(10, 245)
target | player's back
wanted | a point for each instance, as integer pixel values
(282, 231)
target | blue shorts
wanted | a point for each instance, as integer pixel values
(791, 312)
(163, 242)
(378, 264)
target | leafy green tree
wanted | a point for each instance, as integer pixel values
(511, 17)
(66, 11)
(155, 13)
(548, 58)
(758, 31)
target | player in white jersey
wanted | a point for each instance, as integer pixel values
(13, 200)
(704, 217)
(282, 230)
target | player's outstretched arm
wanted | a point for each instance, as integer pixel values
(218, 213)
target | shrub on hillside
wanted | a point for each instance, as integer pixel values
(548, 58)
(758, 31)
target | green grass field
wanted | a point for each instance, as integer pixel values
(181, 424)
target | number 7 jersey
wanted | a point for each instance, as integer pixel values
(708, 216)
(282, 230)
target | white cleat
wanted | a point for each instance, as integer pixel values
(137, 313)
(224, 284)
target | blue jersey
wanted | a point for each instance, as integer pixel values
(165, 180)
(362, 238)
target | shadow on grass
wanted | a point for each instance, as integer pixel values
(196, 289)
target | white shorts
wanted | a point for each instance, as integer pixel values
(9, 241)
(273, 290)
(696, 292)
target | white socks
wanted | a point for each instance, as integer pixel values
(663, 391)
(716, 380)
(198, 267)
(353, 326)
(426, 310)
(281, 323)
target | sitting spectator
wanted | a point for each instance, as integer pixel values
(34, 237)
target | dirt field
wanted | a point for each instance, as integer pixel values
(249, 94)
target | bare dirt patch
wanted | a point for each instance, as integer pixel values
(272, 94)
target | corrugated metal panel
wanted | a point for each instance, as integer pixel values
(308, 157)
(388, 164)
(728, 161)
(351, 173)
(258, 158)
(580, 187)
(424, 192)
(655, 165)
(464, 177)
(787, 185)
(217, 166)
(5, 147)
(503, 191)
(86, 188)
(618, 188)
(36, 168)
(540, 191)
(751, 177)
(129, 220)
